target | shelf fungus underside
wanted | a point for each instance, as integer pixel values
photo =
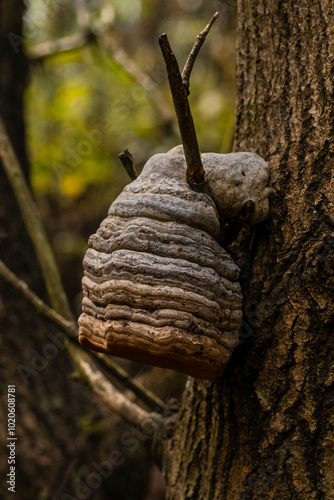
(158, 288)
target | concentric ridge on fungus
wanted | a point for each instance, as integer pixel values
(158, 288)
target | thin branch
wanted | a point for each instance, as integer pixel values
(141, 77)
(108, 393)
(194, 53)
(142, 392)
(117, 53)
(105, 36)
(68, 326)
(127, 162)
(195, 170)
(51, 47)
(71, 329)
(34, 225)
(127, 409)
(98, 382)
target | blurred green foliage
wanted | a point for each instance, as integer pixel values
(83, 107)
(74, 93)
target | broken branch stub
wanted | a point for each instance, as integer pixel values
(126, 159)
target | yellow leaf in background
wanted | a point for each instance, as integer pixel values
(72, 185)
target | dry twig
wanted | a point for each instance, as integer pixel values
(117, 53)
(127, 162)
(51, 47)
(179, 86)
(195, 170)
(34, 225)
(108, 393)
(194, 53)
(142, 392)
(41, 307)
(100, 384)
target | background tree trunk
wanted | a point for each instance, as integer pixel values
(265, 429)
(61, 426)
(46, 454)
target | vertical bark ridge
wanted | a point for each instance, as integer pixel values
(268, 425)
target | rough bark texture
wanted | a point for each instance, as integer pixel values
(265, 429)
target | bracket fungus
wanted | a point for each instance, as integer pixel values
(158, 287)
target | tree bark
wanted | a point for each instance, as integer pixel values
(265, 428)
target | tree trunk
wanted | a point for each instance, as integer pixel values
(265, 428)
(58, 440)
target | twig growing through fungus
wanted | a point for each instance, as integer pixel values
(195, 170)
(179, 87)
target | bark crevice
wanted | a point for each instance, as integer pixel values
(271, 414)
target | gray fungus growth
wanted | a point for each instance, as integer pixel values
(158, 287)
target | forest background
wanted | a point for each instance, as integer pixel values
(97, 85)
